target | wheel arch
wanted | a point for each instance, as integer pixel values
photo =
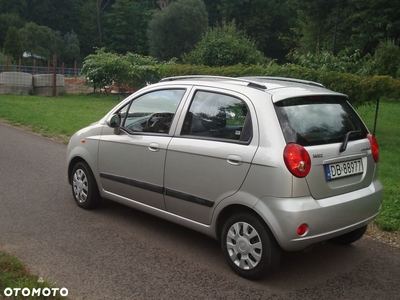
(72, 163)
(229, 211)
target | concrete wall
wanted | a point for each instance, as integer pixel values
(43, 84)
(15, 83)
(25, 83)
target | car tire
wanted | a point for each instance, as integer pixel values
(84, 187)
(351, 237)
(249, 246)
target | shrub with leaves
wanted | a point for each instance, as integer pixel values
(387, 58)
(224, 45)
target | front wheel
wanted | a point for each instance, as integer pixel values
(249, 246)
(84, 187)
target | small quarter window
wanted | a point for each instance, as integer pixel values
(217, 116)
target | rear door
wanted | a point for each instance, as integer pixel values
(210, 155)
(336, 139)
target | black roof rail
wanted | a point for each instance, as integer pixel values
(285, 79)
(249, 82)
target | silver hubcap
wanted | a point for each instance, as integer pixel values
(80, 184)
(244, 245)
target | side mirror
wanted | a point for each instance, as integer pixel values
(115, 122)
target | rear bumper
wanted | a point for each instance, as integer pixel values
(326, 218)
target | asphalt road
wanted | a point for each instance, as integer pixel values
(116, 252)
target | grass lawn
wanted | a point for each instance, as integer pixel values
(14, 275)
(387, 134)
(55, 117)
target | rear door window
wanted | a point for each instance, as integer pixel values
(318, 120)
(217, 116)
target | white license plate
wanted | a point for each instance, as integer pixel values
(343, 169)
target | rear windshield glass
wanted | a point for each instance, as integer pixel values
(318, 120)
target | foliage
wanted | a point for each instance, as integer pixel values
(8, 20)
(105, 68)
(134, 70)
(126, 26)
(345, 61)
(12, 44)
(40, 41)
(387, 58)
(224, 45)
(176, 29)
(360, 89)
(71, 51)
(372, 21)
(268, 22)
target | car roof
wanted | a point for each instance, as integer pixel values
(279, 87)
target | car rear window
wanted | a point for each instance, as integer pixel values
(318, 120)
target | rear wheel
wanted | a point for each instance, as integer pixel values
(249, 246)
(351, 237)
(84, 187)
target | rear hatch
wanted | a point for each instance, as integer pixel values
(335, 138)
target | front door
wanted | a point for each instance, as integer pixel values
(131, 163)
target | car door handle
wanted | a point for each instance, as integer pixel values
(154, 147)
(234, 160)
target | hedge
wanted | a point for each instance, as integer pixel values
(360, 89)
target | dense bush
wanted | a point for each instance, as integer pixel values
(135, 70)
(224, 45)
(387, 58)
(104, 68)
(360, 89)
(385, 61)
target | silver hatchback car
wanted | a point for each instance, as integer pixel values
(263, 164)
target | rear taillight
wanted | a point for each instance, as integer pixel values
(297, 160)
(374, 147)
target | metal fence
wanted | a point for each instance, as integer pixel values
(68, 72)
(382, 119)
(34, 68)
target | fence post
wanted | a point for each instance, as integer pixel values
(75, 69)
(34, 67)
(6, 63)
(54, 75)
(48, 67)
(19, 65)
(62, 68)
(376, 116)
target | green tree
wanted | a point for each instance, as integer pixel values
(267, 22)
(177, 28)
(17, 7)
(224, 46)
(41, 41)
(12, 44)
(322, 25)
(372, 21)
(8, 20)
(71, 51)
(59, 15)
(126, 26)
(387, 58)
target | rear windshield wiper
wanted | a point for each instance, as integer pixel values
(346, 139)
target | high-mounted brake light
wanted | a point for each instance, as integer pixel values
(374, 147)
(297, 160)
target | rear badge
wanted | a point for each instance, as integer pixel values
(318, 156)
